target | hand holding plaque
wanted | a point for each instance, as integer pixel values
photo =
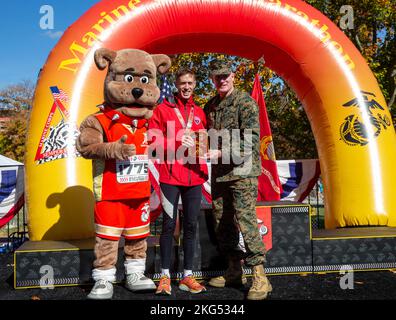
(197, 140)
(201, 143)
(188, 141)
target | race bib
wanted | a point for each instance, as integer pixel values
(133, 170)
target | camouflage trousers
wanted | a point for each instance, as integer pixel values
(234, 210)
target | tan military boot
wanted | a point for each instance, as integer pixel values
(233, 276)
(260, 286)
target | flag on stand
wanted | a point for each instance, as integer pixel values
(269, 188)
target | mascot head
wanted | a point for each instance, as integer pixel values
(131, 82)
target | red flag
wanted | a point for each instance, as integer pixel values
(269, 188)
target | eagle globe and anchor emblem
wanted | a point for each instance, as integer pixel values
(267, 152)
(353, 131)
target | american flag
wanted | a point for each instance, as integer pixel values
(166, 90)
(59, 94)
(155, 199)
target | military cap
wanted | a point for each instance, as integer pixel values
(218, 67)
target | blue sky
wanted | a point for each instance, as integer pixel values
(24, 45)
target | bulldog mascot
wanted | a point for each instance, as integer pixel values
(115, 139)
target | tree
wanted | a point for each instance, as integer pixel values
(17, 97)
(373, 34)
(12, 140)
(15, 103)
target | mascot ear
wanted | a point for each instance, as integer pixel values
(104, 57)
(162, 62)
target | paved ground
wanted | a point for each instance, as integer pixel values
(374, 285)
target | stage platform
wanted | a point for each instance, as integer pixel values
(296, 246)
(369, 248)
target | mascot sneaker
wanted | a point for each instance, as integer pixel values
(102, 290)
(135, 278)
(139, 282)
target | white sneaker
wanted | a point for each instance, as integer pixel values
(102, 290)
(139, 282)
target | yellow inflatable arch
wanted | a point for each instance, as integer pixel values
(349, 118)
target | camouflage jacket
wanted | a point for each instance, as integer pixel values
(238, 117)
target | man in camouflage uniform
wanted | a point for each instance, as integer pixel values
(234, 180)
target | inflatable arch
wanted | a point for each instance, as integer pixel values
(349, 118)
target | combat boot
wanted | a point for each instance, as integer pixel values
(233, 276)
(260, 286)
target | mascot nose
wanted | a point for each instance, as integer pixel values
(137, 93)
